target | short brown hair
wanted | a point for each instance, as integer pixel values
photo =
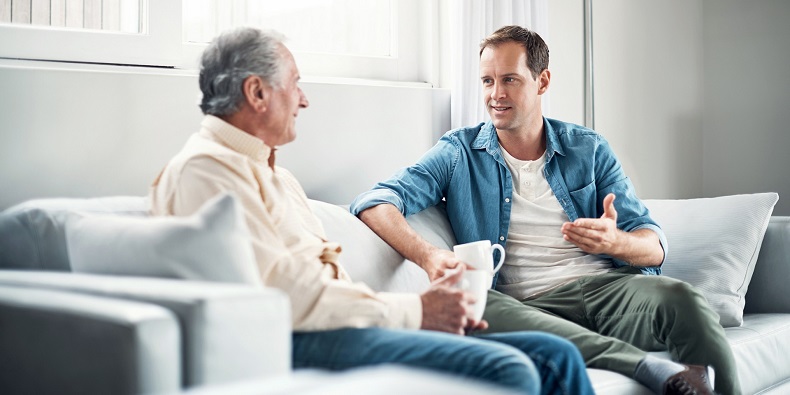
(537, 50)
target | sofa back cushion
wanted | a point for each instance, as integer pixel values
(714, 244)
(369, 259)
(772, 271)
(32, 234)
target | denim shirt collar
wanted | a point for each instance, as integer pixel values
(487, 139)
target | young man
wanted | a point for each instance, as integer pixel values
(583, 253)
(251, 98)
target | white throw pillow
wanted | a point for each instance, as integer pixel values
(713, 245)
(211, 245)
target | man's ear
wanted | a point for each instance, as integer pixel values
(257, 93)
(544, 79)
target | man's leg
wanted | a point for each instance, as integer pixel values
(465, 356)
(558, 361)
(505, 314)
(656, 313)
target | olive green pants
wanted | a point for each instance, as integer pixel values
(614, 318)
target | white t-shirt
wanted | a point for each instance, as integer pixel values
(537, 258)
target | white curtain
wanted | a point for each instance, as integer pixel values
(470, 22)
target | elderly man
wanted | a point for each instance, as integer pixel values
(583, 253)
(251, 98)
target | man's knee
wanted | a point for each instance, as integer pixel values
(515, 370)
(682, 300)
(675, 292)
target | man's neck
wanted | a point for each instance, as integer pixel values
(247, 124)
(523, 144)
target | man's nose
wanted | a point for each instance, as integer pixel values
(303, 102)
(497, 92)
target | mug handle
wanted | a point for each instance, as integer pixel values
(501, 256)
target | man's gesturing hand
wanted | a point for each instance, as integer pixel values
(596, 235)
(445, 308)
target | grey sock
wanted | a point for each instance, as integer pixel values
(653, 372)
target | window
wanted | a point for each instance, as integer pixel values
(347, 27)
(112, 15)
(373, 39)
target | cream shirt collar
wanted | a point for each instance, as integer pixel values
(236, 139)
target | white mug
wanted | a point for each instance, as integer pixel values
(477, 283)
(479, 255)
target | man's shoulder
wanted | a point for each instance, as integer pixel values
(569, 136)
(465, 134)
(570, 130)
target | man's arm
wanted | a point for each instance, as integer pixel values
(640, 247)
(388, 222)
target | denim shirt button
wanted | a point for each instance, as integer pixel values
(501, 238)
(507, 200)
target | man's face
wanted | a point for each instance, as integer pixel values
(511, 95)
(285, 103)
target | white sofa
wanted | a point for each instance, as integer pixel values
(167, 334)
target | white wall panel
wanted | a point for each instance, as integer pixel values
(86, 132)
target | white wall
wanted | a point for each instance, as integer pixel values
(651, 116)
(82, 131)
(746, 127)
(692, 94)
(648, 91)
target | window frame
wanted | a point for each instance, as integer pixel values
(161, 44)
(150, 47)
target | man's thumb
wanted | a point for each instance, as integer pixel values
(608, 207)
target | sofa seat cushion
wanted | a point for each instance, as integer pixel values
(762, 350)
(611, 383)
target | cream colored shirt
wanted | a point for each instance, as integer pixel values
(290, 247)
(537, 257)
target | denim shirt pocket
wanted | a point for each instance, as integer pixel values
(584, 200)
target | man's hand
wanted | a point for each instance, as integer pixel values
(445, 308)
(596, 235)
(439, 262)
(640, 247)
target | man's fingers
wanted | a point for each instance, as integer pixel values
(478, 326)
(451, 277)
(584, 235)
(581, 242)
(589, 223)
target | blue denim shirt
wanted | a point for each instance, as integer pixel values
(465, 172)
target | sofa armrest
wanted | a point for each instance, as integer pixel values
(62, 342)
(768, 291)
(229, 332)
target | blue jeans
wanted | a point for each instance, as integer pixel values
(529, 362)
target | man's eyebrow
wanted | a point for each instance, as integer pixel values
(502, 76)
